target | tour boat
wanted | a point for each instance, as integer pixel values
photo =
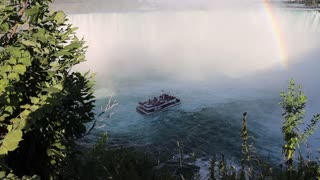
(163, 102)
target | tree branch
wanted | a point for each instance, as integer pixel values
(21, 12)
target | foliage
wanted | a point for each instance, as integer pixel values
(293, 103)
(220, 169)
(103, 162)
(311, 2)
(43, 104)
(11, 176)
(307, 2)
(212, 168)
(247, 151)
(260, 169)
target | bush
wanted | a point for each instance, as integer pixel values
(102, 162)
(43, 104)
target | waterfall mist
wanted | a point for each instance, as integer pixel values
(215, 45)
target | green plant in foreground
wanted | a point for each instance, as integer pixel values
(249, 162)
(245, 149)
(104, 162)
(293, 103)
(43, 104)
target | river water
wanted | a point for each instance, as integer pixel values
(220, 62)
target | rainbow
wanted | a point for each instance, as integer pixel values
(281, 45)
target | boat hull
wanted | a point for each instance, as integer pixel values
(142, 111)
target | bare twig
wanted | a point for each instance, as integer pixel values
(182, 177)
(110, 105)
(180, 153)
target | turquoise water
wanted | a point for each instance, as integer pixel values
(207, 122)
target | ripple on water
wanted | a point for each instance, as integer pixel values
(211, 130)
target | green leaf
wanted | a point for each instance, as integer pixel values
(14, 51)
(26, 106)
(25, 113)
(4, 27)
(58, 86)
(81, 58)
(73, 45)
(51, 74)
(34, 108)
(12, 61)
(12, 139)
(59, 146)
(54, 64)
(34, 100)
(10, 176)
(46, 50)
(29, 43)
(5, 68)
(9, 128)
(32, 11)
(2, 174)
(51, 90)
(62, 53)
(59, 17)
(3, 150)
(19, 123)
(9, 109)
(43, 97)
(50, 152)
(25, 61)
(20, 69)
(35, 177)
(37, 50)
(13, 76)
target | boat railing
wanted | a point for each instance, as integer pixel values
(156, 101)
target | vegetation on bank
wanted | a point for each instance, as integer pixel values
(44, 107)
(294, 166)
(103, 162)
(306, 2)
